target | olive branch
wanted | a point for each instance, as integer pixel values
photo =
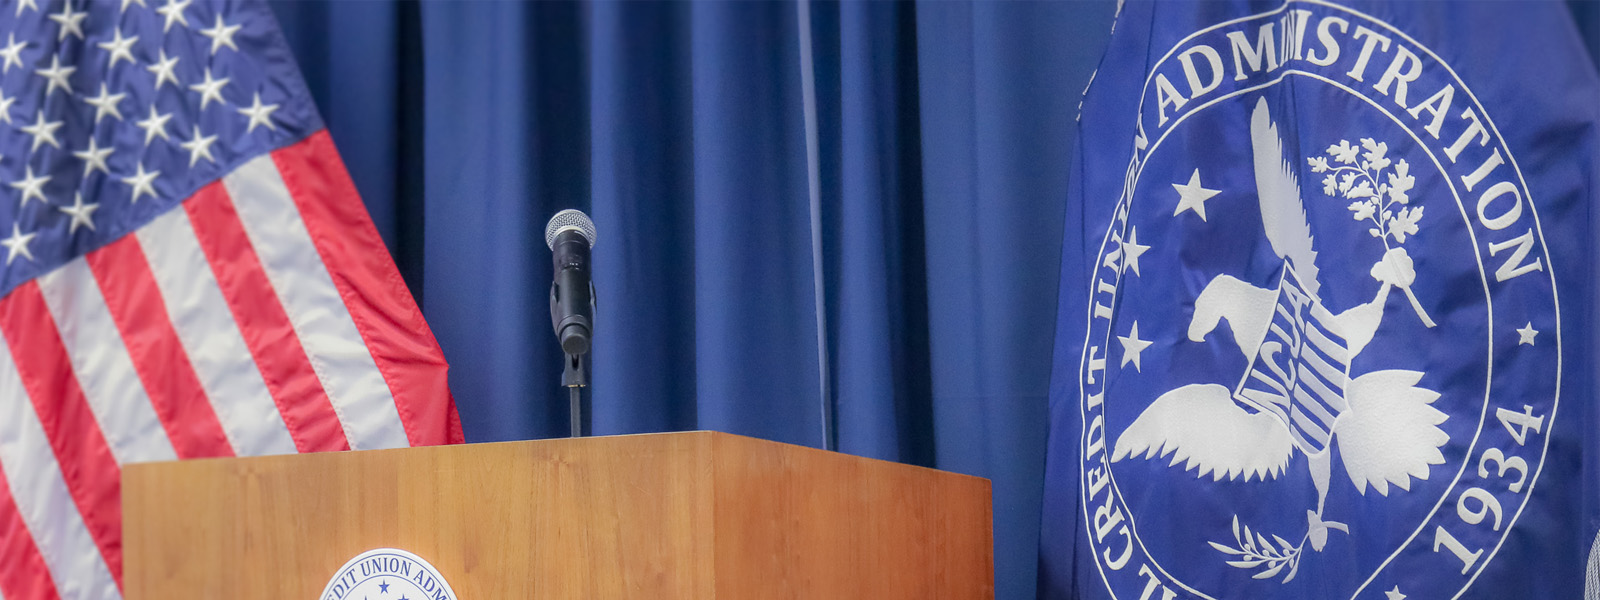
(1255, 550)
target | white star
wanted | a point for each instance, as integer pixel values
(82, 214)
(105, 103)
(127, 3)
(119, 47)
(1192, 196)
(5, 107)
(57, 75)
(69, 21)
(1395, 594)
(154, 126)
(1526, 334)
(17, 244)
(173, 11)
(1132, 346)
(209, 89)
(42, 132)
(94, 157)
(221, 35)
(1131, 250)
(32, 187)
(259, 114)
(199, 146)
(26, 4)
(163, 69)
(143, 183)
(12, 52)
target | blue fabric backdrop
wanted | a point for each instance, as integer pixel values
(901, 166)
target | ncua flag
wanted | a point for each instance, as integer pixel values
(1327, 307)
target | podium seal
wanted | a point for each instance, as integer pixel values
(387, 574)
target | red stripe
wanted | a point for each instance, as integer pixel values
(141, 316)
(379, 303)
(266, 328)
(24, 575)
(91, 472)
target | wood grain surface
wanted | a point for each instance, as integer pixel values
(681, 515)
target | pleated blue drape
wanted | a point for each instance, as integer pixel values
(836, 225)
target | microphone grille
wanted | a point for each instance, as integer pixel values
(569, 219)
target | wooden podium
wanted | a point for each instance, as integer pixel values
(662, 516)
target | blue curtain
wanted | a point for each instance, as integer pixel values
(836, 225)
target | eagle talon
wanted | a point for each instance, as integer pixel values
(1317, 531)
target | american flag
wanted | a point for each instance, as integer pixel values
(188, 272)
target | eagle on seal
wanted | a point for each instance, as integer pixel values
(1297, 395)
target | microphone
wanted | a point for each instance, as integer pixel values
(570, 234)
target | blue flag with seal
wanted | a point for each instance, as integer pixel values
(1325, 307)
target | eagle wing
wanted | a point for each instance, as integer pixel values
(1283, 213)
(1202, 426)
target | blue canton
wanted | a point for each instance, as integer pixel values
(112, 113)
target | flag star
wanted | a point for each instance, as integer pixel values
(259, 114)
(42, 132)
(154, 126)
(1526, 334)
(12, 52)
(32, 187)
(17, 244)
(199, 146)
(127, 3)
(94, 157)
(57, 75)
(209, 89)
(173, 11)
(221, 35)
(1131, 250)
(1132, 347)
(105, 103)
(5, 107)
(26, 4)
(119, 47)
(69, 21)
(82, 214)
(143, 183)
(1193, 196)
(1394, 594)
(163, 69)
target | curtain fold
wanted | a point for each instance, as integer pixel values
(942, 137)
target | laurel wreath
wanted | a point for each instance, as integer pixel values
(1255, 550)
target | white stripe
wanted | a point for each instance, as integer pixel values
(211, 338)
(42, 497)
(101, 363)
(333, 344)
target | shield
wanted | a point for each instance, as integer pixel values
(1300, 371)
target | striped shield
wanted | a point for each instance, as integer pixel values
(1300, 371)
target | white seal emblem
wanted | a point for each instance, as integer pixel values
(1323, 337)
(387, 574)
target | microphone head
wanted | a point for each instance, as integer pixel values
(569, 220)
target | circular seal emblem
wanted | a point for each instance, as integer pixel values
(387, 574)
(1324, 347)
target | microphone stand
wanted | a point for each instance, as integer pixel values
(575, 377)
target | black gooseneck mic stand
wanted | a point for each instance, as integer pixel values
(570, 234)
